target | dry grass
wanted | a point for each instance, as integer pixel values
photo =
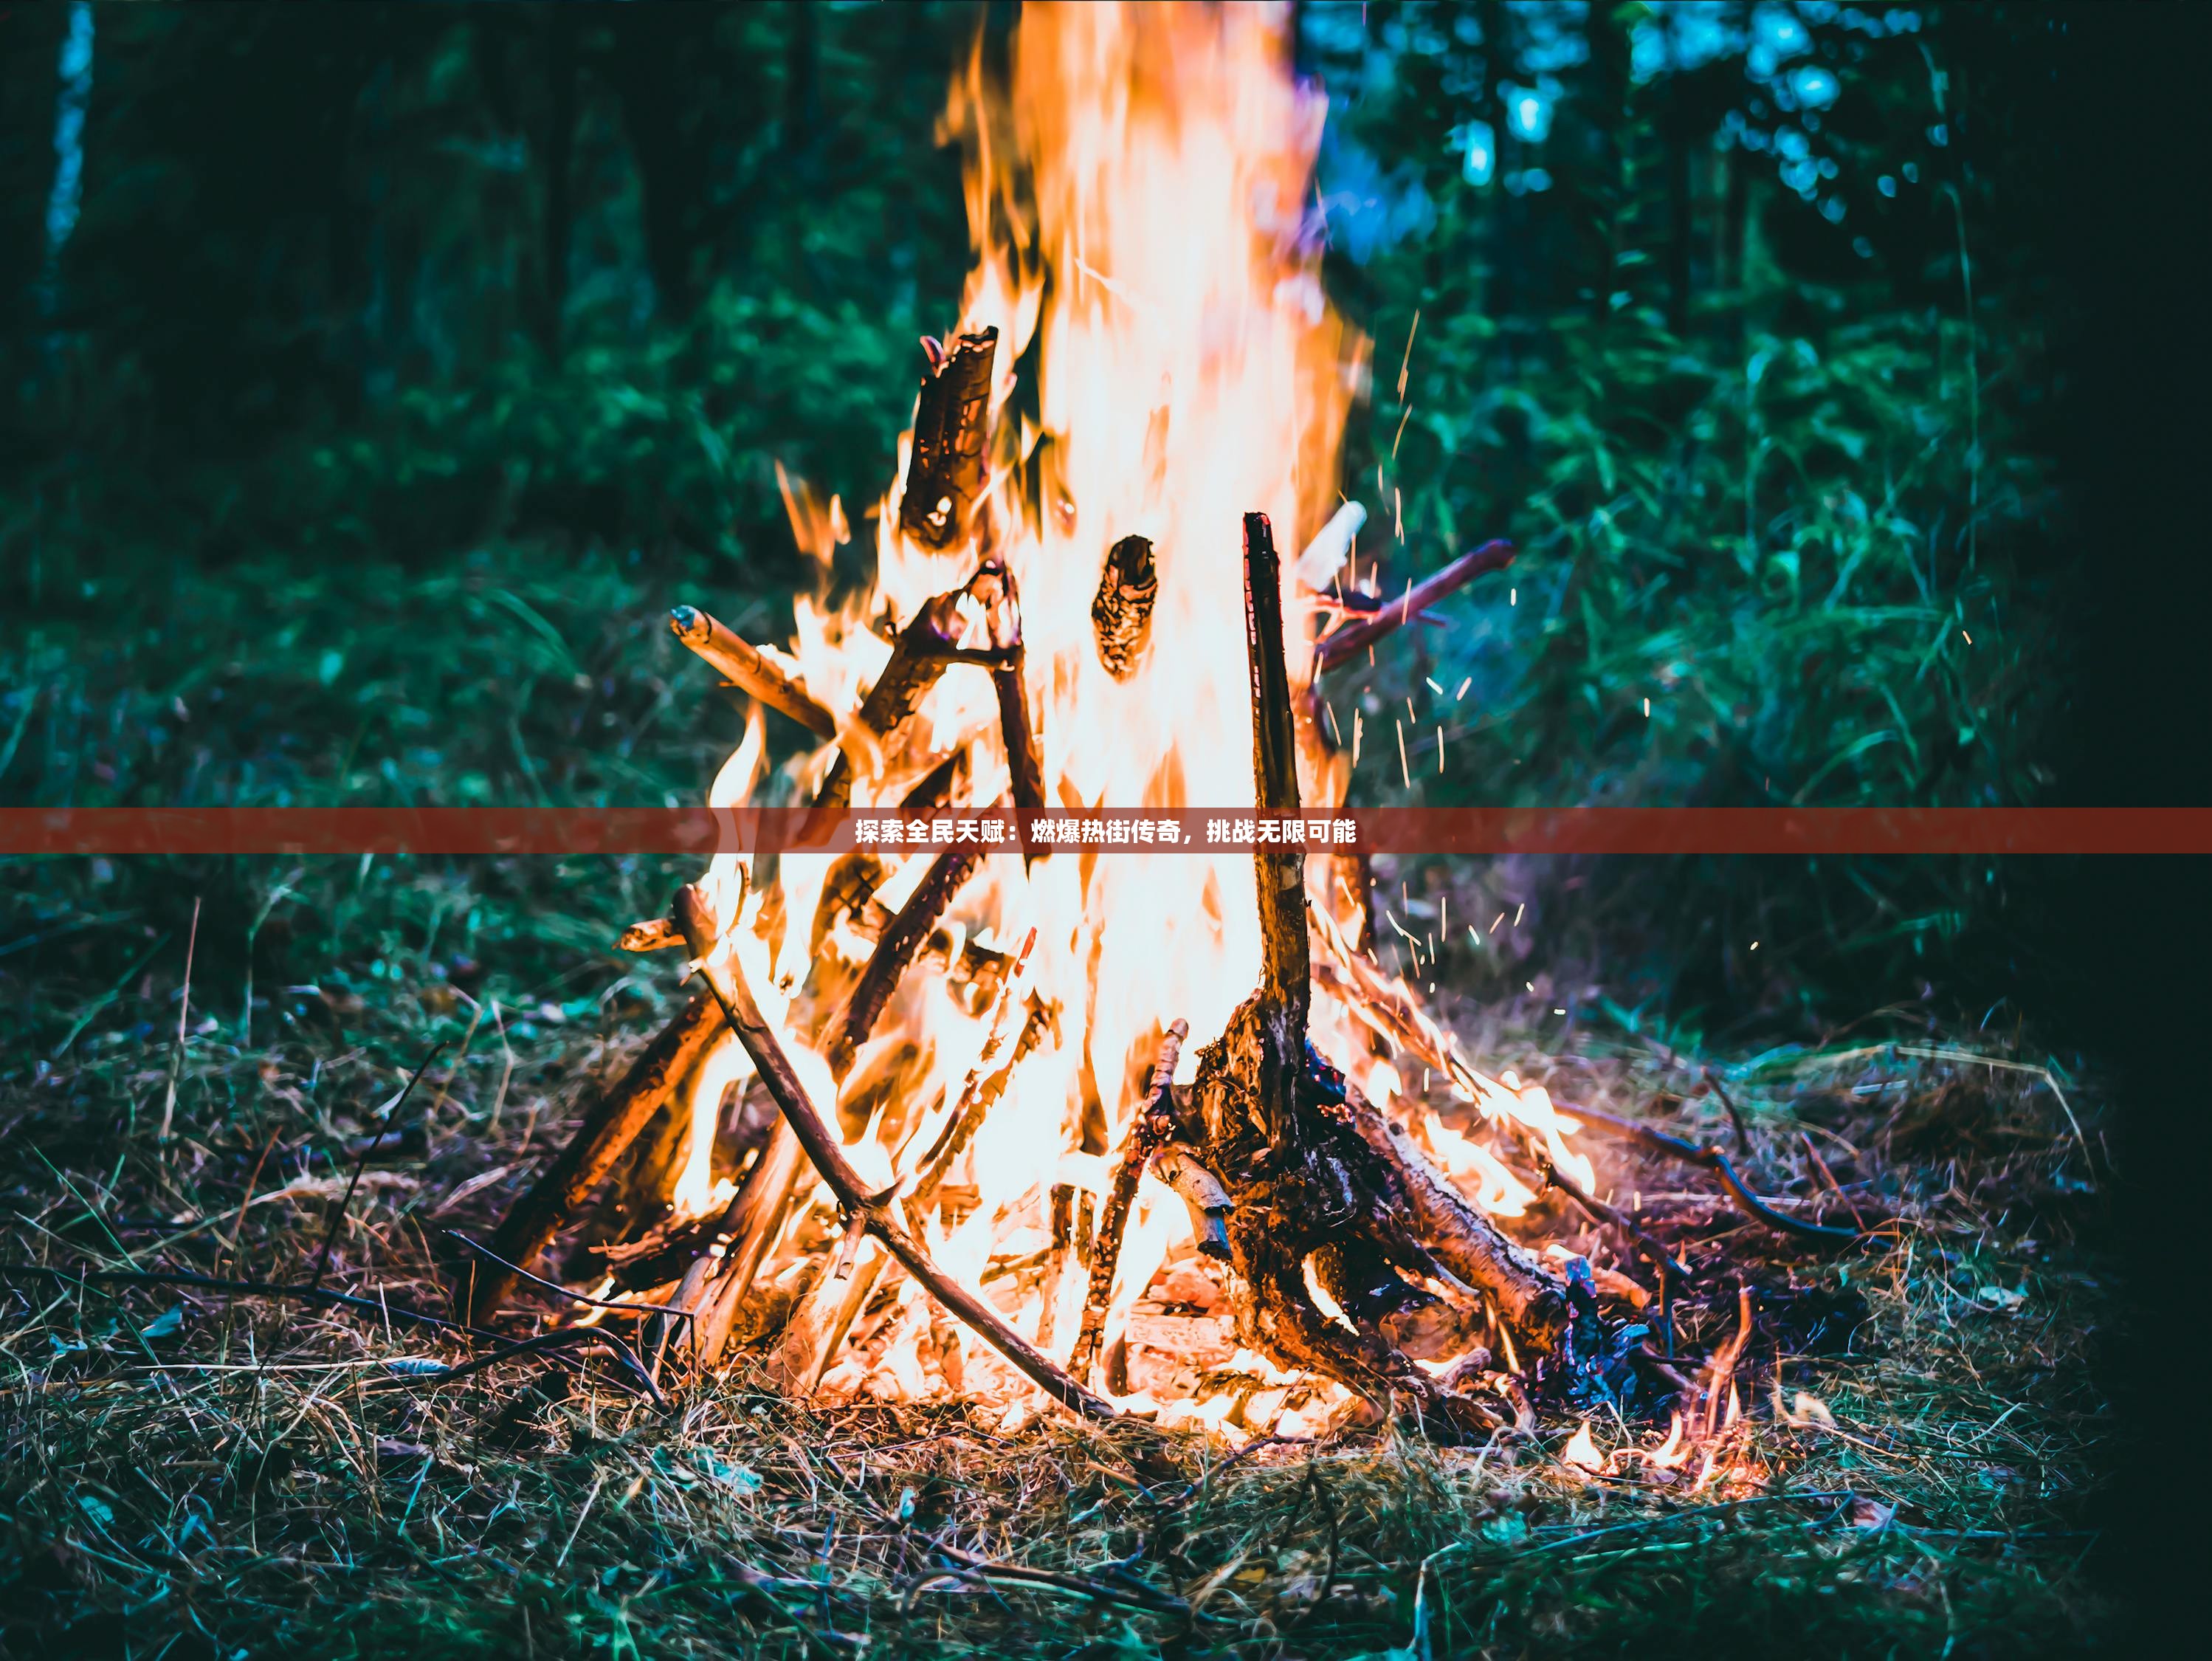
(190, 1474)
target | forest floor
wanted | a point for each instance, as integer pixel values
(191, 1472)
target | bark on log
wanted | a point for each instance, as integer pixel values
(612, 1125)
(750, 670)
(1354, 638)
(948, 471)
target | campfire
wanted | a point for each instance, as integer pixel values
(1149, 1134)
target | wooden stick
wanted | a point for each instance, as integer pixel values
(1153, 1124)
(1280, 869)
(612, 1125)
(726, 981)
(1356, 637)
(749, 670)
(894, 953)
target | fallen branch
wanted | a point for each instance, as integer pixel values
(726, 984)
(749, 670)
(1713, 1159)
(1356, 637)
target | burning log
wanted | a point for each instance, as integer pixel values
(612, 1125)
(749, 670)
(894, 953)
(1153, 1124)
(1356, 637)
(926, 648)
(1122, 616)
(948, 472)
(726, 984)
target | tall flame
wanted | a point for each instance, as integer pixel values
(1136, 191)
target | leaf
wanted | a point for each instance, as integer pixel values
(168, 1323)
(414, 1366)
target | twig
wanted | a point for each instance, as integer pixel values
(765, 679)
(559, 1290)
(338, 1217)
(1713, 1159)
(726, 981)
(377, 1307)
(1356, 637)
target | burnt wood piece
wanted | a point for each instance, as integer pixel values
(749, 670)
(940, 787)
(926, 648)
(1149, 1131)
(948, 471)
(1122, 615)
(726, 982)
(650, 934)
(1356, 637)
(849, 1028)
(612, 1125)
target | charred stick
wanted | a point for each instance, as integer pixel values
(653, 934)
(948, 472)
(1356, 637)
(1286, 975)
(894, 953)
(1713, 1159)
(939, 786)
(727, 982)
(1148, 1132)
(751, 670)
(611, 1126)
(1531, 1298)
(993, 586)
(1203, 1194)
(946, 1147)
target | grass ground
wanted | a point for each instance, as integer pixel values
(188, 1473)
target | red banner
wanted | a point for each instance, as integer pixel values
(121, 832)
